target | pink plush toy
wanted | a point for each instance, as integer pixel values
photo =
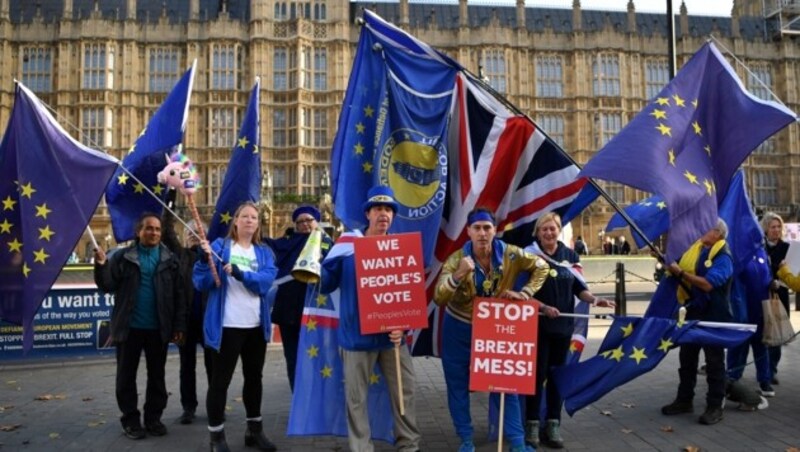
(181, 175)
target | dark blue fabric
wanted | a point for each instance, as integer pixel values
(145, 314)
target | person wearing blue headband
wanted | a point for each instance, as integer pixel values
(484, 267)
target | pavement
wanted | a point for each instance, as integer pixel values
(70, 405)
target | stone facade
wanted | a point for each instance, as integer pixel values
(105, 66)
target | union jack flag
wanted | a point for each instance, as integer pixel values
(502, 161)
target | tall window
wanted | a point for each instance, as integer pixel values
(320, 69)
(549, 77)
(216, 175)
(96, 62)
(284, 67)
(656, 77)
(759, 81)
(605, 75)
(279, 129)
(305, 67)
(607, 125)
(279, 178)
(320, 127)
(165, 69)
(765, 187)
(553, 125)
(223, 123)
(37, 69)
(280, 11)
(305, 127)
(320, 10)
(494, 67)
(95, 127)
(225, 62)
(616, 191)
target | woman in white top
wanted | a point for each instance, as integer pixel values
(237, 322)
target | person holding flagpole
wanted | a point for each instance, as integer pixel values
(237, 322)
(360, 352)
(558, 294)
(484, 267)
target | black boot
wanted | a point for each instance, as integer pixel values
(254, 437)
(218, 443)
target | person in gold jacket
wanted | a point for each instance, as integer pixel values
(484, 267)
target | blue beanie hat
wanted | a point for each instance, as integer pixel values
(311, 210)
(380, 195)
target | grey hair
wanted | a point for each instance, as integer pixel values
(191, 224)
(722, 227)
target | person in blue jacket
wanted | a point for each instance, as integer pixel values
(359, 351)
(237, 322)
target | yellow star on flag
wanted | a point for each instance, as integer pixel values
(708, 150)
(368, 111)
(697, 128)
(243, 142)
(5, 226)
(367, 166)
(321, 300)
(694, 103)
(617, 354)
(671, 154)
(42, 210)
(358, 149)
(605, 354)
(360, 128)
(25, 269)
(45, 233)
(692, 178)
(14, 245)
(638, 355)
(665, 345)
(313, 351)
(678, 101)
(663, 101)
(255, 149)
(132, 149)
(311, 325)
(627, 330)
(122, 179)
(8, 203)
(658, 114)
(664, 129)
(709, 187)
(40, 256)
(138, 188)
(326, 371)
(661, 205)
(374, 378)
(157, 189)
(28, 190)
(225, 218)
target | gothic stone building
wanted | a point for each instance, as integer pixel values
(106, 65)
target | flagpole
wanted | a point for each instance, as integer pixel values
(735, 326)
(486, 86)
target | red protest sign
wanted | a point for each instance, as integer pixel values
(503, 357)
(391, 283)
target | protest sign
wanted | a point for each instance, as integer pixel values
(503, 357)
(391, 283)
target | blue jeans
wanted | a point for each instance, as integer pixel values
(737, 359)
(456, 344)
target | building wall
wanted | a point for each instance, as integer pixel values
(284, 41)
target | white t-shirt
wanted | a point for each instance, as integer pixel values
(242, 307)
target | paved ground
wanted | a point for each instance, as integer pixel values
(82, 414)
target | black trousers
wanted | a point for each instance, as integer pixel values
(552, 351)
(290, 334)
(128, 354)
(715, 373)
(248, 343)
(188, 352)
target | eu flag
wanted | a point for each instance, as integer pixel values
(632, 347)
(650, 215)
(243, 177)
(393, 130)
(127, 198)
(687, 143)
(318, 405)
(50, 185)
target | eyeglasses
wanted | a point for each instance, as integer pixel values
(306, 221)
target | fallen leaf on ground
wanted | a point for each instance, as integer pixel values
(96, 423)
(11, 382)
(237, 399)
(667, 428)
(792, 449)
(9, 427)
(627, 430)
(5, 408)
(228, 408)
(691, 449)
(628, 405)
(54, 435)
(606, 413)
(45, 397)
(87, 399)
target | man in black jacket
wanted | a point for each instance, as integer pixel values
(149, 311)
